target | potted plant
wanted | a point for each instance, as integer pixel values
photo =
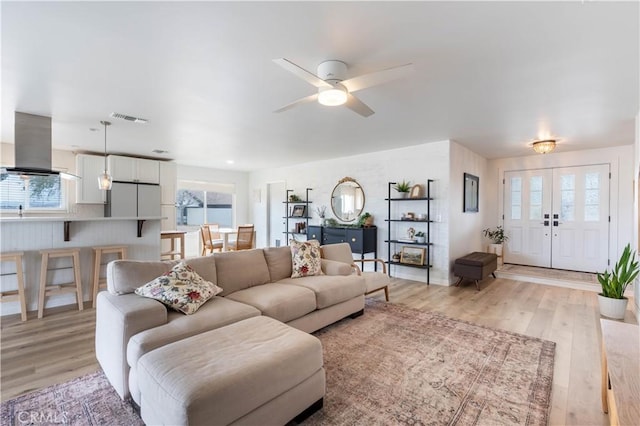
(421, 238)
(612, 302)
(403, 188)
(497, 237)
(365, 220)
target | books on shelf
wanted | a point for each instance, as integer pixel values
(406, 240)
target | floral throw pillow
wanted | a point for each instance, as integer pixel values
(181, 289)
(305, 256)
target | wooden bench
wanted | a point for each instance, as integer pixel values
(620, 372)
(475, 266)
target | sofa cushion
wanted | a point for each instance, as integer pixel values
(305, 257)
(237, 270)
(282, 302)
(278, 262)
(332, 267)
(125, 276)
(216, 313)
(181, 289)
(205, 266)
(330, 290)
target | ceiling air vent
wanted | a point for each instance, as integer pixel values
(129, 118)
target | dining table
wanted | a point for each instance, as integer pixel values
(225, 232)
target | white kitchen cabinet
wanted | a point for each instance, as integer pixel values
(168, 182)
(89, 167)
(131, 169)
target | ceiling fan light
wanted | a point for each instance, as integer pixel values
(544, 147)
(332, 96)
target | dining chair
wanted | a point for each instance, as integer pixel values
(216, 240)
(208, 244)
(244, 241)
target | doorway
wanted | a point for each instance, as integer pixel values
(276, 194)
(558, 218)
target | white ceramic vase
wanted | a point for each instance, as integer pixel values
(612, 308)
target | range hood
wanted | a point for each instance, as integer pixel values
(33, 147)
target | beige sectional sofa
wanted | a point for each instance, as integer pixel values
(255, 283)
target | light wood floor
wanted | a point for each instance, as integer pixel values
(60, 346)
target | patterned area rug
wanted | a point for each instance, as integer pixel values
(396, 365)
(87, 400)
(393, 365)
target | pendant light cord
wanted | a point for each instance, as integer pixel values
(105, 123)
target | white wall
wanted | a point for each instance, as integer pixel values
(373, 171)
(636, 209)
(621, 190)
(465, 232)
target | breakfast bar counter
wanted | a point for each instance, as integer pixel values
(31, 234)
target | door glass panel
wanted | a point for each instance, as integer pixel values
(567, 197)
(516, 198)
(592, 197)
(535, 198)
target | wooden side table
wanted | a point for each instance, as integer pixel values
(621, 372)
(173, 236)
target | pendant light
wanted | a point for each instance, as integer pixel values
(104, 180)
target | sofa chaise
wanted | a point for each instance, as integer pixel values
(255, 283)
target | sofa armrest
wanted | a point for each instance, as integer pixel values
(333, 267)
(382, 262)
(117, 319)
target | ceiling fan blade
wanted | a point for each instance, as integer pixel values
(298, 102)
(307, 76)
(356, 105)
(378, 77)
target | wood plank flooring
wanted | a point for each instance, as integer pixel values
(60, 346)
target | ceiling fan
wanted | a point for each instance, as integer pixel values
(334, 89)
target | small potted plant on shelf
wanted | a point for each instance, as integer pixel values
(497, 237)
(421, 238)
(612, 302)
(293, 198)
(403, 188)
(365, 220)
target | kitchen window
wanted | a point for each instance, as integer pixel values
(42, 193)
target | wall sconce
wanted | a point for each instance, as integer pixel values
(545, 146)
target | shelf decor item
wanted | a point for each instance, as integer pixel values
(403, 188)
(612, 302)
(497, 237)
(365, 220)
(412, 255)
(416, 191)
(298, 210)
(421, 237)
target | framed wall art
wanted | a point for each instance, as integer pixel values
(471, 186)
(412, 255)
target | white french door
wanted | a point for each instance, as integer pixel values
(558, 218)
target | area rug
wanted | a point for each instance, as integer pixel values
(396, 365)
(393, 365)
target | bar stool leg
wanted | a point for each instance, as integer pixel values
(76, 273)
(20, 276)
(43, 283)
(96, 274)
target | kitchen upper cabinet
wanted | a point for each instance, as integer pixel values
(89, 167)
(130, 169)
(168, 182)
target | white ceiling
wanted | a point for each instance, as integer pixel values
(492, 76)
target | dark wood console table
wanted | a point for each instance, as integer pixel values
(361, 240)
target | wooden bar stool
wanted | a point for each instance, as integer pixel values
(15, 295)
(72, 287)
(98, 252)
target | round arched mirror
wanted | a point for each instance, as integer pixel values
(347, 200)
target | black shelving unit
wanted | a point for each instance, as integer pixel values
(287, 214)
(391, 242)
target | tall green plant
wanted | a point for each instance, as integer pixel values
(624, 272)
(496, 235)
